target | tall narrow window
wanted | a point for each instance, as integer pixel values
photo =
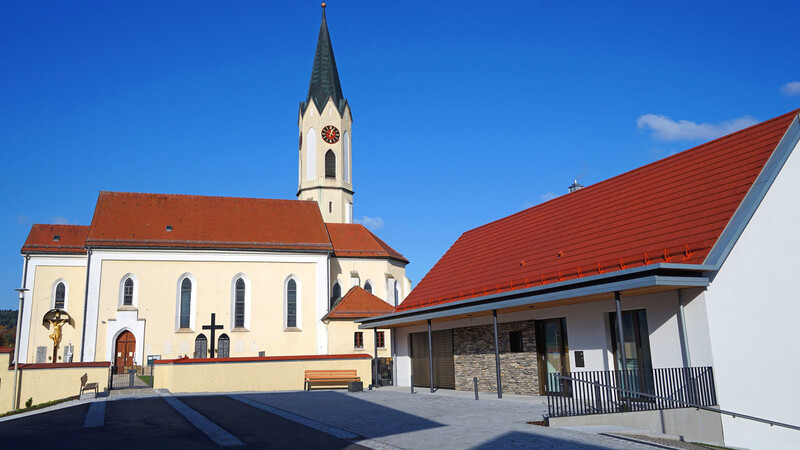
(239, 306)
(223, 346)
(291, 304)
(127, 293)
(368, 287)
(61, 294)
(336, 294)
(186, 302)
(201, 346)
(358, 339)
(330, 164)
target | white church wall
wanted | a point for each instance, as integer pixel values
(157, 273)
(43, 271)
(374, 270)
(753, 309)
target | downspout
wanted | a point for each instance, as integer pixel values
(14, 402)
(687, 361)
(86, 299)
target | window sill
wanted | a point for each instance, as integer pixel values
(359, 349)
(127, 308)
(239, 330)
(292, 329)
(184, 330)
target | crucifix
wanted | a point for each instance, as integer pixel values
(213, 327)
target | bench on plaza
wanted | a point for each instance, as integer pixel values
(329, 377)
(87, 386)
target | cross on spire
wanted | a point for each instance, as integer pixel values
(213, 327)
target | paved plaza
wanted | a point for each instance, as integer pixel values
(383, 419)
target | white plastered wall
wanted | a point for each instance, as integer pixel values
(753, 308)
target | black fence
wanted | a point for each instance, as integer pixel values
(612, 391)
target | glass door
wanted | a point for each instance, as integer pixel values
(637, 368)
(551, 341)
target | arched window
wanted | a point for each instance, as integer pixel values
(200, 346)
(239, 306)
(186, 303)
(368, 287)
(291, 304)
(61, 295)
(223, 346)
(127, 293)
(336, 294)
(330, 164)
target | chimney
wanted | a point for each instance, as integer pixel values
(575, 186)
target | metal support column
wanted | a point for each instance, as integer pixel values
(497, 356)
(375, 358)
(621, 343)
(620, 334)
(687, 361)
(430, 353)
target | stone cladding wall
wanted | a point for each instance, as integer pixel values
(473, 354)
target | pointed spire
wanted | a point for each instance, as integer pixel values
(324, 76)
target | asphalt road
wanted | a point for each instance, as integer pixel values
(152, 423)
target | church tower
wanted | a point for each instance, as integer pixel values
(325, 132)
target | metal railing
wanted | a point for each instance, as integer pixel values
(593, 393)
(612, 391)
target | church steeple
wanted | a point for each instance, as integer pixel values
(325, 163)
(324, 76)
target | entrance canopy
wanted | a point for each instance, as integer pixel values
(636, 281)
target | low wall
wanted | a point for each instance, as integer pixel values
(47, 382)
(276, 373)
(690, 424)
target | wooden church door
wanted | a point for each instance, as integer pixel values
(125, 349)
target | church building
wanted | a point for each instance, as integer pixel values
(157, 276)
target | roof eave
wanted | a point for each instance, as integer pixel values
(686, 275)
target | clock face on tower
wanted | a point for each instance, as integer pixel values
(330, 134)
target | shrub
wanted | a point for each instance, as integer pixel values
(29, 402)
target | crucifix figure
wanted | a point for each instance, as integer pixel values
(213, 327)
(57, 322)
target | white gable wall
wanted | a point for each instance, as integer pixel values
(753, 307)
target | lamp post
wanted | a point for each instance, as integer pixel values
(21, 292)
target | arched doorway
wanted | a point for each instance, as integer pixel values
(125, 349)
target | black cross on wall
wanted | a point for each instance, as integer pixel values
(213, 327)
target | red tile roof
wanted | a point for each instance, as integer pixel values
(672, 210)
(355, 240)
(67, 239)
(128, 220)
(357, 304)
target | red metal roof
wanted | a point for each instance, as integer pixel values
(56, 239)
(358, 303)
(672, 210)
(355, 240)
(123, 219)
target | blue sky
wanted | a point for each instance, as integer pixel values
(465, 112)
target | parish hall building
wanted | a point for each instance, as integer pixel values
(686, 261)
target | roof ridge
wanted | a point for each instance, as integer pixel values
(201, 196)
(682, 153)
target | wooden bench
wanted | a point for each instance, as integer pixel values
(329, 377)
(87, 386)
